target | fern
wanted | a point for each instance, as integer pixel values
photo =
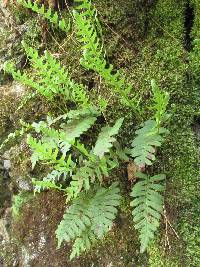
(105, 139)
(89, 218)
(161, 100)
(52, 16)
(57, 147)
(50, 78)
(147, 203)
(92, 52)
(145, 143)
(97, 164)
(53, 141)
(46, 184)
(150, 136)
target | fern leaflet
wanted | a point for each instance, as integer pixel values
(52, 16)
(144, 144)
(147, 203)
(105, 138)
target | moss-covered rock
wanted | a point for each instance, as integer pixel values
(146, 39)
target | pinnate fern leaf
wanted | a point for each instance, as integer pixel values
(50, 79)
(89, 218)
(93, 56)
(52, 16)
(105, 139)
(144, 144)
(148, 205)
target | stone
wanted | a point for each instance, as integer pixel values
(7, 164)
(4, 236)
(23, 184)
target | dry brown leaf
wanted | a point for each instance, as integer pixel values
(132, 168)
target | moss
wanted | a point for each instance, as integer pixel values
(18, 202)
(196, 6)
(158, 257)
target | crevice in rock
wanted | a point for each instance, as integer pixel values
(196, 129)
(188, 24)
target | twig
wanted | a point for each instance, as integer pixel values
(167, 224)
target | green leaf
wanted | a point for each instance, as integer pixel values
(144, 144)
(89, 218)
(105, 139)
(148, 204)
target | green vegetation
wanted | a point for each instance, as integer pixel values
(148, 205)
(61, 148)
(89, 217)
(18, 202)
(90, 136)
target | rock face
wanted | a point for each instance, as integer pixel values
(145, 39)
(10, 97)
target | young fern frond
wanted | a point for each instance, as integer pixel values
(89, 217)
(52, 16)
(161, 100)
(105, 139)
(148, 205)
(93, 55)
(50, 79)
(145, 143)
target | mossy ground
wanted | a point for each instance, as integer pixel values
(146, 39)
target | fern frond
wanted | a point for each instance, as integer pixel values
(45, 184)
(50, 79)
(93, 56)
(23, 78)
(161, 100)
(105, 138)
(89, 218)
(74, 128)
(148, 204)
(55, 78)
(84, 176)
(93, 169)
(97, 164)
(144, 144)
(62, 170)
(52, 16)
(53, 141)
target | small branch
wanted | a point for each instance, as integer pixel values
(167, 225)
